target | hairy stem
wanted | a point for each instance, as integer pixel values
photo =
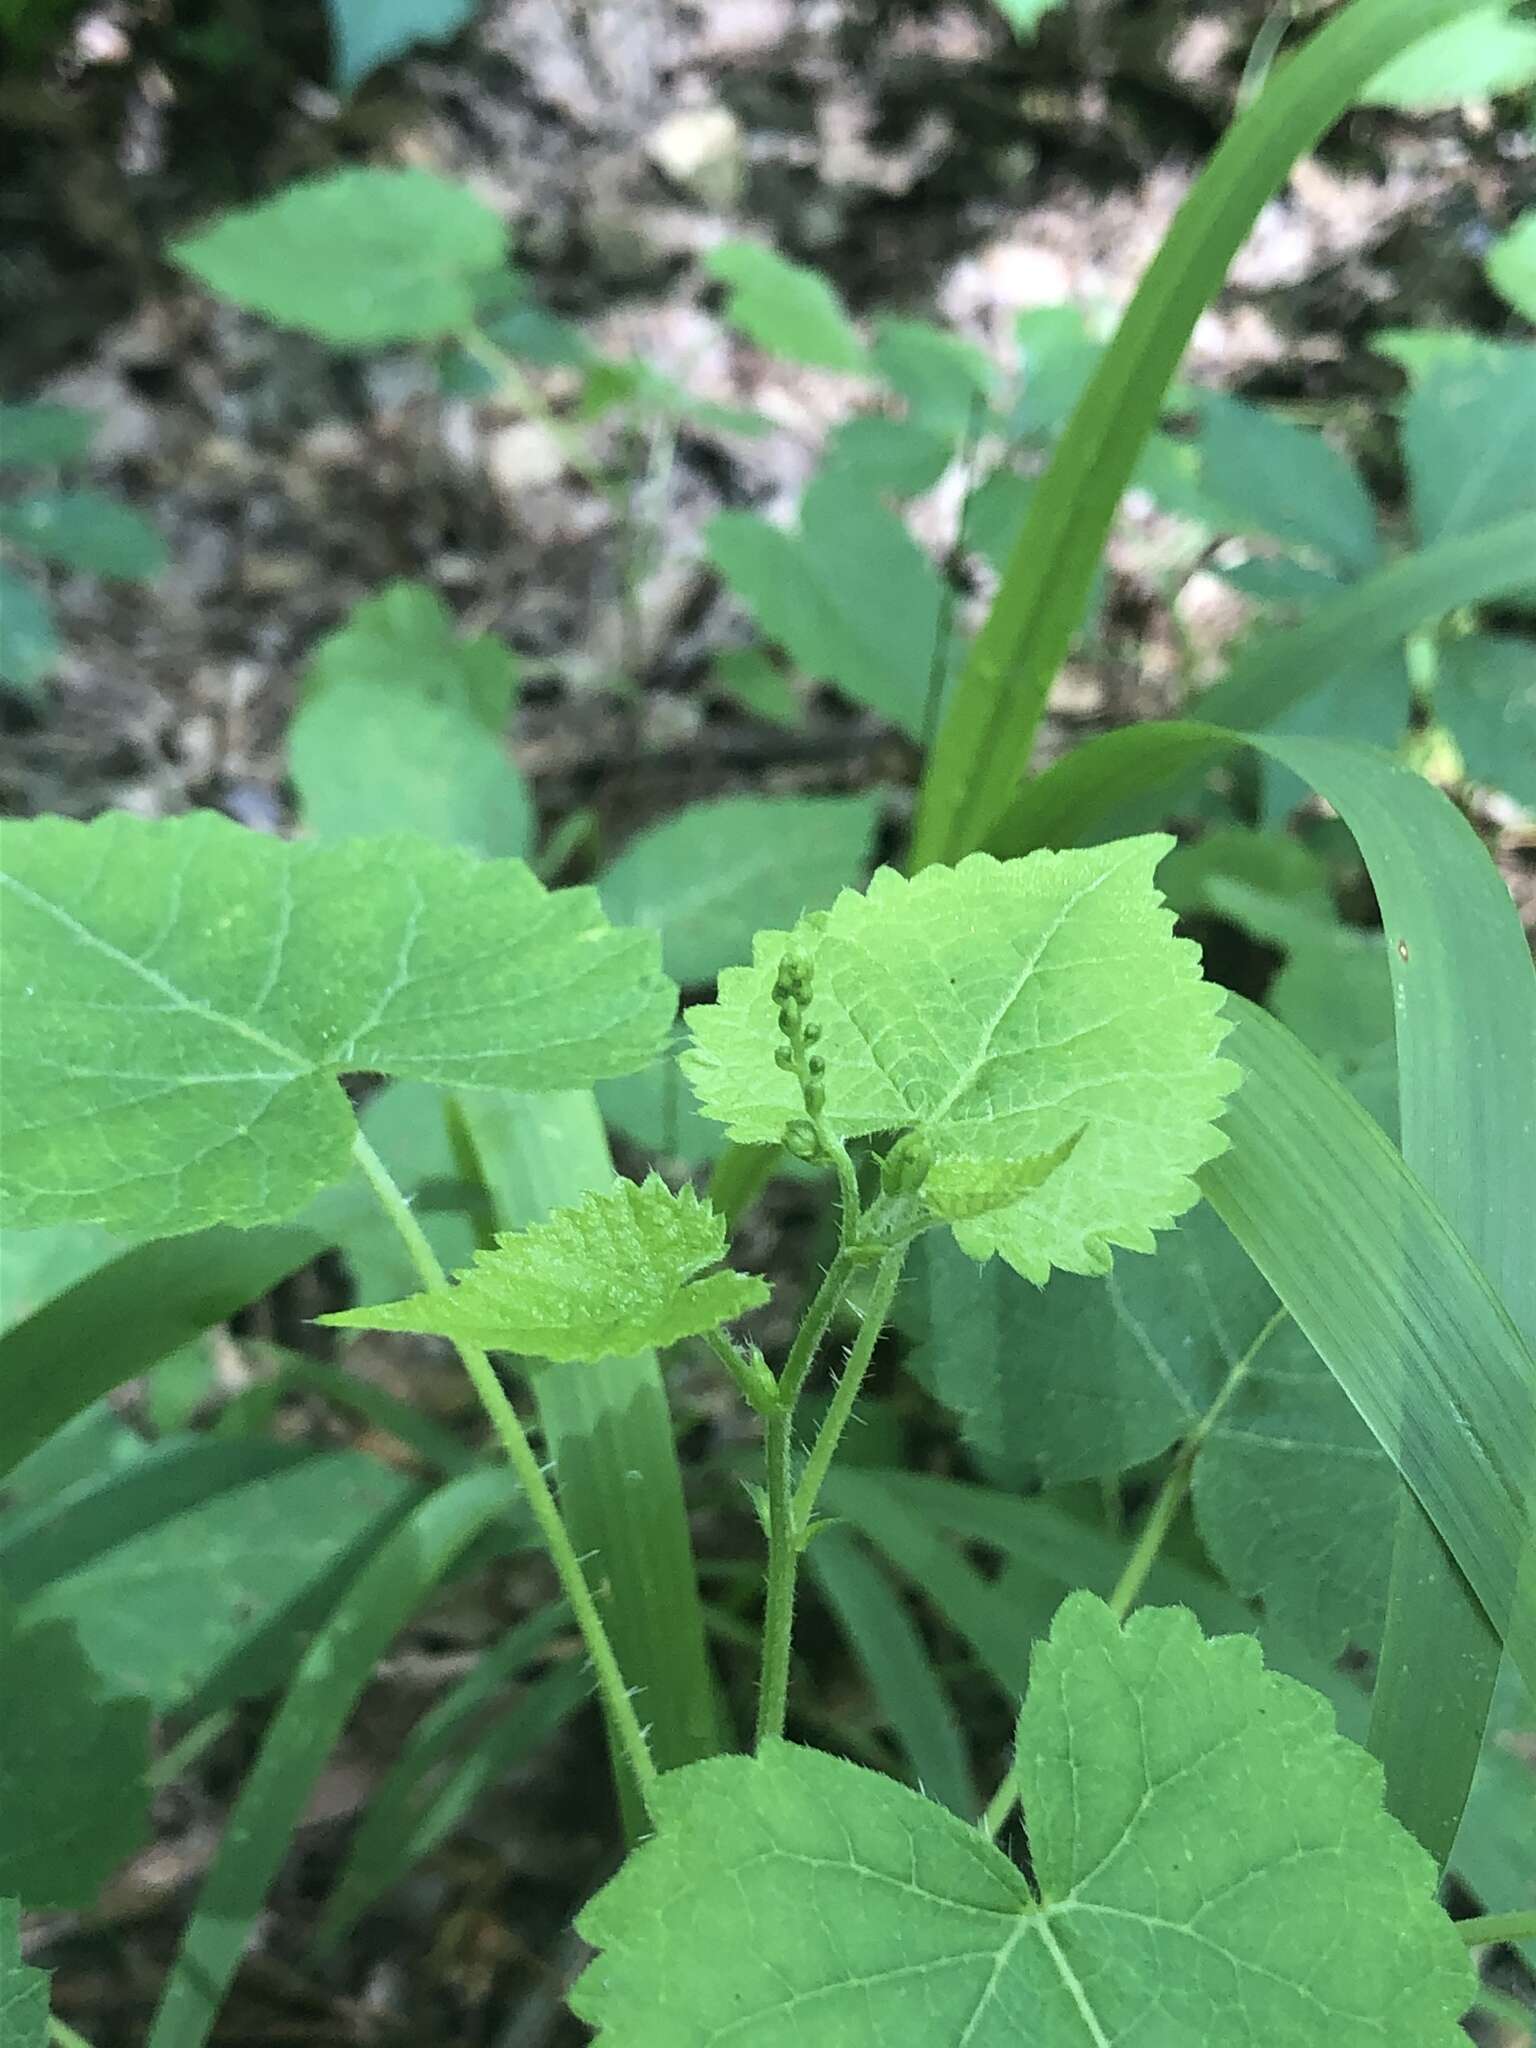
(837, 1417)
(494, 1399)
(783, 1562)
(813, 1327)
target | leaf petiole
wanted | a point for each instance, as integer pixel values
(617, 1704)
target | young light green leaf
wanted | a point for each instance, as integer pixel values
(368, 33)
(710, 876)
(1293, 1497)
(85, 529)
(785, 308)
(611, 1275)
(360, 257)
(1487, 54)
(23, 1990)
(987, 1006)
(29, 646)
(1202, 1840)
(960, 1188)
(1485, 690)
(72, 1769)
(401, 730)
(1511, 265)
(851, 597)
(180, 996)
(37, 436)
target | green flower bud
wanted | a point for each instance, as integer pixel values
(783, 1057)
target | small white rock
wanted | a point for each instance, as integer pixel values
(524, 456)
(699, 148)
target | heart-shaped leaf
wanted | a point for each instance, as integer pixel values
(178, 998)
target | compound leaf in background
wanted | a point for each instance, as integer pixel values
(711, 876)
(400, 729)
(1285, 481)
(946, 380)
(1485, 692)
(785, 308)
(205, 1563)
(1511, 265)
(1203, 1842)
(23, 1990)
(851, 597)
(611, 1275)
(72, 1770)
(368, 33)
(1293, 1498)
(360, 257)
(28, 645)
(180, 996)
(989, 1007)
(895, 458)
(36, 436)
(1486, 54)
(85, 529)
(1467, 429)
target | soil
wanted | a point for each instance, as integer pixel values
(927, 162)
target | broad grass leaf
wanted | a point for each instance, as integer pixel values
(36, 436)
(23, 1990)
(1293, 1497)
(180, 996)
(990, 1006)
(85, 529)
(785, 308)
(29, 646)
(400, 729)
(1493, 1848)
(360, 257)
(73, 1759)
(611, 1275)
(709, 877)
(850, 597)
(1485, 691)
(1204, 1844)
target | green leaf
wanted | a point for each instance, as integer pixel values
(360, 257)
(23, 1990)
(851, 597)
(1511, 265)
(655, 1110)
(37, 436)
(1476, 59)
(407, 1125)
(72, 1769)
(1024, 15)
(750, 677)
(611, 1275)
(1202, 1840)
(401, 726)
(887, 457)
(36, 1265)
(1485, 691)
(180, 997)
(785, 308)
(1467, 429)
(1369, 700)
(204, 1563)
(28, 645)
(1493, 1849)
(1286, 481)
(984, 746)
(710, 876)
(1293, 1498)
(963, 1187)
(945, 380)
(338, 1664)
(986, 1006)
(85, 529)
(368, 33)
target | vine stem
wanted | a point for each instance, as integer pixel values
(1494, 1927)
(837, 1417)
(522, 1457)
(783, 1565)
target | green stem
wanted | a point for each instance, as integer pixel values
(526, 395)
(813, 1327)
(63, 2035)
(617, 1704)
(783, 1561)
(165, 1770)
(837, 1417)
(1497, 1927)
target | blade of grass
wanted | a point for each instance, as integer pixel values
(906, 1688)
(608, 1431)
(985, 740)
(1103, 784)
(302, 1735)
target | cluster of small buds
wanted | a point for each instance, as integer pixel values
(792, 994)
